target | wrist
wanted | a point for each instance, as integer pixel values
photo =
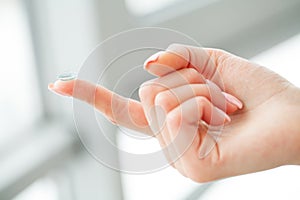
(298, 127)
(294, 124)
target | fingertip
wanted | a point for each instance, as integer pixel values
(165, 62)
(50, 86)
(231, 108)
(152, 59)
(156, 66)
(221, 117)
(64, 88)
(233, 100)
(158, 69)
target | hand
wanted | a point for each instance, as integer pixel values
(263, 135)
(257, 138)
(176, 104)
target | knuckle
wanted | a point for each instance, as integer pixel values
(146, 89)
(192, 75)
(173, 120)
(149, 90)
(202, 101)
(175, 45)
(200, 104)
(220, 52)
(191, 72)
(160, 98)
(220, 56)
(163, 99)
(217, 52)
(142, 91)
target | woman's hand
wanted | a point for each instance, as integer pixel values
(263, 135)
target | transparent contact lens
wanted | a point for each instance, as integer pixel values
(67, 76)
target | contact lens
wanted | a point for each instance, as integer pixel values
(67, 76)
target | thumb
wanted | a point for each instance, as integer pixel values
(178, 56)
(227, 71)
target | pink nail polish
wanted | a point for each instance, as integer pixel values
(220, 118)
(233, 100)
(152, 58)
(227, 118)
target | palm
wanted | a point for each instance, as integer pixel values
(252, 83)
(250, 142)
(249, 138)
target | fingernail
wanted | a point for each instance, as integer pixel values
(227, 118)
(152, 58)
(207, 146)
(224, 115)
(233, 100)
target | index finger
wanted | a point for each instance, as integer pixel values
(120, 110)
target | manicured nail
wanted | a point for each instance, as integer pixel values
(227, 118)
(207, 146)
(233, 100)
(224, 115)
(152, 58)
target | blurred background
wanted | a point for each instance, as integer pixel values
(40, 154)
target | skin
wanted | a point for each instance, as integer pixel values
(261, 133)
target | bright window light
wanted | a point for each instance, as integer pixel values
(19, 100)
(143, 7)
(283, 59)
(44, 188)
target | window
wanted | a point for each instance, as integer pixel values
(283, 59)
(143, 7)
(44, 188)
(19, 101)
(36, 140)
